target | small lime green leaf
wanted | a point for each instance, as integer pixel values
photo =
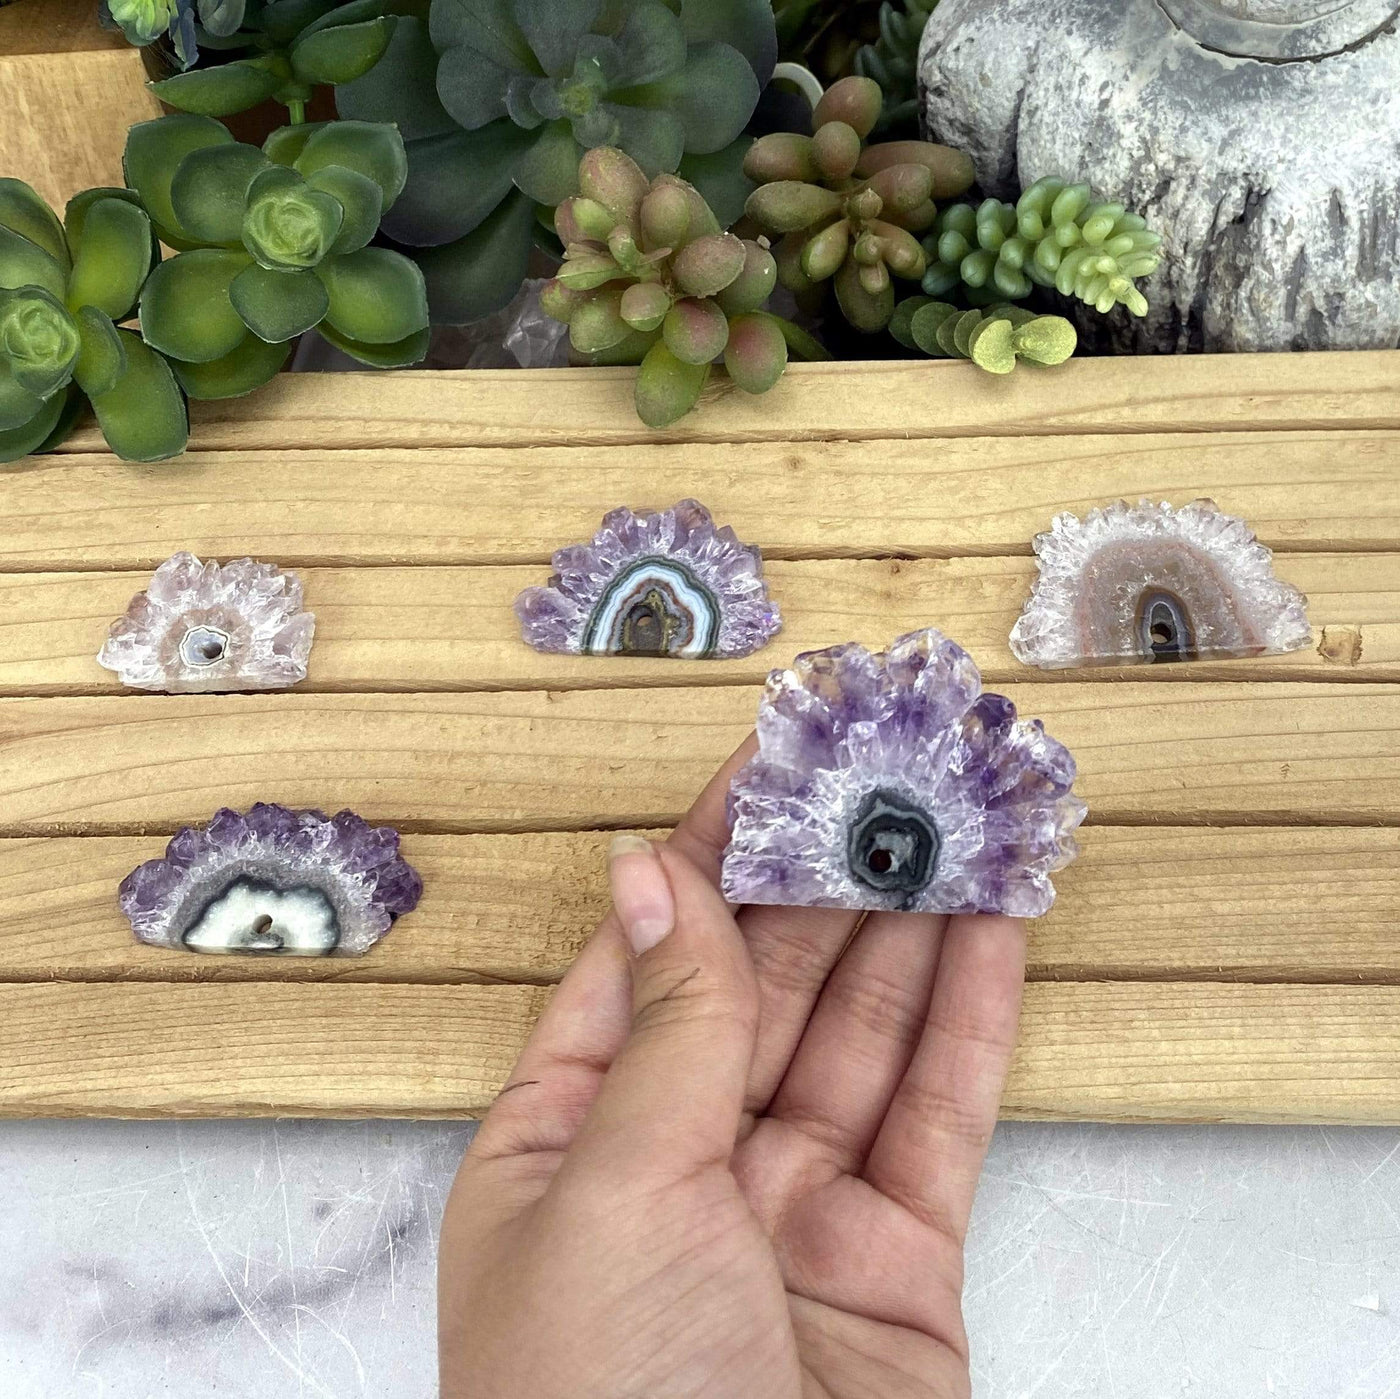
(824, 252)
(376, 295)
(962, 331)
(925, 324)
(101, 356)
(18, 405)
(278, 306)
(632, 350)
(667, 388)
(373, 148)
(584, 268)
(695, 331)
(644, 305)
(38, 340)
(29, 436)
(990, 346)
(210, 188)
(112, 259)
(285, 144)
(757, 353)
(597, 324)
(219, 91)
(246, 367)
(1046, 340)
(185, 308)
(25, 213)
(26, 264)
(75, 214)
(288, 226)
(343, 53)
(154, 150)
(360, 200)
(901, 325)
(143, 415)
(397, 354)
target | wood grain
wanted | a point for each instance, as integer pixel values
(1310, 491)
(852, 400)
(1165, 903)
(1115, 1051)
(454, 629)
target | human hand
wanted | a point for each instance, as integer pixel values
(738, 1155)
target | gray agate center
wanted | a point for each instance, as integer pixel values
(254, 916)
(892, 846)
(1164, 627)
(204, 646)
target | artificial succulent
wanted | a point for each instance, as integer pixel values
(993, 337)
(272, 243)
(498, 99)
(146, 21)
(892, 61)
(63, 289)
(650, 277)
(1056, 235)
(849, 212)
(825, 35)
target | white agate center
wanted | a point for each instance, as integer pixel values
(250, 916)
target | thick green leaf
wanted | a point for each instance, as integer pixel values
(553, 29)
(73, 403)
(29, 436)
(284, 145)
(342, 54)
(210, 189)
(283, 20)
(373, 148)
(720, 179)
(219, 91)
(25, 213)
(486, 26)
(667, 388)
(471, 88)
(712, 97)
(102, 357)
(480, 273)
(143, 415)
(246, 367)
(650, 44)
(154, 150)
(38, 340)
(75, 215)
(397, 354)
(185, 308)
(376, 295)
(654, 138)
(288, 225)
(359, 198)
(113, 258)
(548, 171)
(746, 24)
(221, 18)
(26, 264)
(18, 405)
(401, 87)
(355, 12)
(278, 306)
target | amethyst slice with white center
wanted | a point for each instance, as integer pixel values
(206, 627)
(273, 881)
(659, 583)
(890, 781)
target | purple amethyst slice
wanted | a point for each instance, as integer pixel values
(660, 583)
(890, 781)
(273, 881)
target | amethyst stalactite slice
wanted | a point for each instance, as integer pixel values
(1134, 584)
(273, 881)
(658, 583)
(200, 628)
(891, 781)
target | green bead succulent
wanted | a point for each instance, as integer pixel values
(273, 243)
(498, 99)
(993, 337)
(63, 289)
(892, 61)
(649, 277)
(1056, 235)
(849, 212)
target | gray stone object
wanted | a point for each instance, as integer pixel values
(1260, 137)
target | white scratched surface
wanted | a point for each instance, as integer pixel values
(252, 1259)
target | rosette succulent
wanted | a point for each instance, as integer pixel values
(650, 278)
(273, 243)
(63, 288)
(145, 21)
(1056, 235)
(849, 212)
(993, 337)
(497, 100)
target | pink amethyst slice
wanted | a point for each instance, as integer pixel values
(274, 882)
(207, 627)
(659, 583)
(890, 781)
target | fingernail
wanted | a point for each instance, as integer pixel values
(641, 892)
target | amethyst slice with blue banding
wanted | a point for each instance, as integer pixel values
(658, 583)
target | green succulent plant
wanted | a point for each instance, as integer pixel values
(273, 242)
(649, 277)
(1056, 235)
(825, 35)
(892, 61)
(145, 21)
(993, 337)
(498, 99)
(63, 288)
(849, 212)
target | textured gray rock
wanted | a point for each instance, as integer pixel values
(1260, 137)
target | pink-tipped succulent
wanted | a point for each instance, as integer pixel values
(649, 277)
(848, 211)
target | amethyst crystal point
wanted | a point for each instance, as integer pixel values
(201, 627)
(1131, 584)
(288, 883)
(890, 781)
(660, 583)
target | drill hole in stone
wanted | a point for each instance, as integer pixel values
(262, 925)
(1162, 634)
(881, 861)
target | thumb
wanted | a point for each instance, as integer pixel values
(675, 1092)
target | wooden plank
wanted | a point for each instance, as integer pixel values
(454, 628)
(1311, 904)
(1280, 753)
(1114, 1051)
(1304, 491)
(857, 400)
(54, 26)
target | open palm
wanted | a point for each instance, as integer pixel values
(741, 1165)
